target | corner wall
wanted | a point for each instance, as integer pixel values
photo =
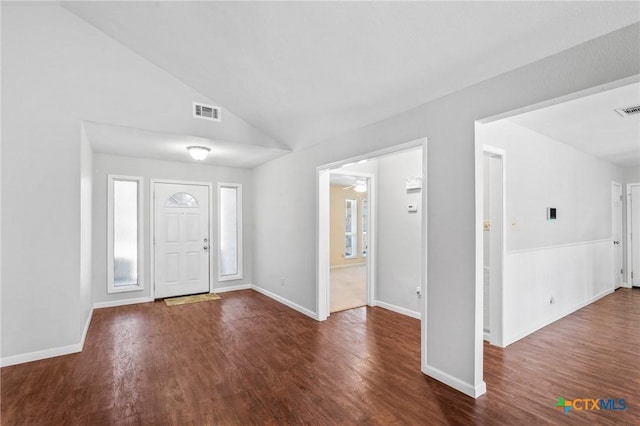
(86, 231)
(399, 239)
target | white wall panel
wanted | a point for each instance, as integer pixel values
(573, 275)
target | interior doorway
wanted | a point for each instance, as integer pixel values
(616, 232)
(405, 236)
(633, 233)
(348, 246)
(493, 242)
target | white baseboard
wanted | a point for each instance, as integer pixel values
(86, 329)
(75, 348)
(286, 302)
(231, 288)
(398, 309)
(123, 302)
(38, 355)
(523, 333)
(454, 382)
(49, 353)
(487, 336)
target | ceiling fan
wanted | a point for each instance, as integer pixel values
(359, 186)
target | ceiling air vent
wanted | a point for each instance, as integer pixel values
(625, 112)
(207, 112)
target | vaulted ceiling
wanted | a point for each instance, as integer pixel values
(303, 72)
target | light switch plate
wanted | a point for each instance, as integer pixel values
(414, 183)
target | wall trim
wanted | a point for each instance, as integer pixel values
(38, 355)
(397, 309)
(454, 382)
(49, 353)
(604, 240)
(551, 319)
(284, 301)
(123, 302)
(231, 288)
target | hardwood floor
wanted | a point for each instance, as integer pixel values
(246, 359)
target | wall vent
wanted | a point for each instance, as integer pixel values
(207, 112)
(632, 110)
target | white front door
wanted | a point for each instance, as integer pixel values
(616, 225)
(182, 239)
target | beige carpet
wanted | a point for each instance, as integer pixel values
(183, 300)
(348, 287)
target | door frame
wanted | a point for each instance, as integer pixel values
(152, 222)
(372, 231)
(628, 244)
(323, 231)
(496, 287)
(621, 242)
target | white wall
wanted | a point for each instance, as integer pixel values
(541, 173)
(287, 216)
(569, 259)
(57, 71)
(105, 164)
(632, 175)
(399, 232)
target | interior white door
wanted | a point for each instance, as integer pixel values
(181, 239)
(616, 230)
(635, 235)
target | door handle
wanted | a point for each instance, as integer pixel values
(206, 247)
(616, 242)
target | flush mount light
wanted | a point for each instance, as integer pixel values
(198, 152)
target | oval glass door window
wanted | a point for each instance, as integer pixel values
(181, 199)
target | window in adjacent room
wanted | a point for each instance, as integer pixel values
(351, 229)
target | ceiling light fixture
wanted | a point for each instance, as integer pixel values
(361, 186)
(198, 152)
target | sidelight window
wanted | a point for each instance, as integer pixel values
(124, 232)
